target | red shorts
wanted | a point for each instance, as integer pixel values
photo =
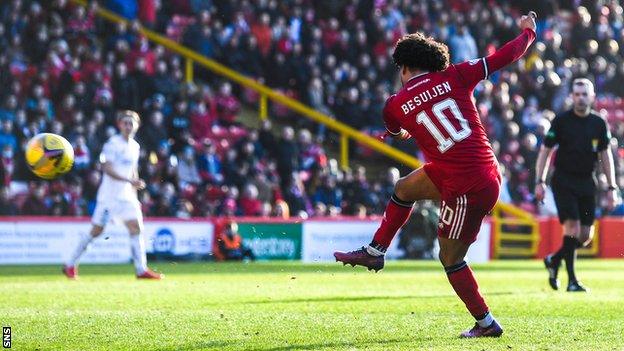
(461, 216)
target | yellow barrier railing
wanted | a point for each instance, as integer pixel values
(346, 132)
(515, 232)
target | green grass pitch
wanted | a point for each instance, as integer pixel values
(293, 306)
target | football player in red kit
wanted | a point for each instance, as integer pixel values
(435, 106)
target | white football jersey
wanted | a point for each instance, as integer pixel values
(124, 157)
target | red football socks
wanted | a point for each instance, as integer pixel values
(461, 278)
(397, 213)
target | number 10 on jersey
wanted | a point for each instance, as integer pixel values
(438, 109)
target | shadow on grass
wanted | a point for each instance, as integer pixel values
(284, 267)
(365, 298)
(208, 268)
(206, 345)
(348, 344)
(241, 345)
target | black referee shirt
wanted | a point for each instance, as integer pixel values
(579, 139)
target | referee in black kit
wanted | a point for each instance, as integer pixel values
(583, 137)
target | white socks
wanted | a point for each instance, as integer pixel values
(137, 248)
(373, 251)
(486, 321)
(83, 243)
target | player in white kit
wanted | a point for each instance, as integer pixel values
(117, 196)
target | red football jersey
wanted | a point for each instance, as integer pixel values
(438, 110)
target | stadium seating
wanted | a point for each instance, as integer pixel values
(198, 160)
(62, 64)
(350, 58)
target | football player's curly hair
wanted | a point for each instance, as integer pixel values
(417, 52)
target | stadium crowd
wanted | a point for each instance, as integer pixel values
(336, 57)
(65, 71)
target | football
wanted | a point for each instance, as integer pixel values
(49, 155)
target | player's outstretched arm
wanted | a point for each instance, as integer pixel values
(515, 48)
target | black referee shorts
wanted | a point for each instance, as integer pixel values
(575, 197)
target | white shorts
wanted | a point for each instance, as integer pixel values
(122, 211)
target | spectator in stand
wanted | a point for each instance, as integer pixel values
(185, 209)
(267, 139)
(74, 196)
(249, 203)
(142, 76)
(81, 22)
(209, 164)
(203, 41)
(253, 65)
(9, 109)
(328, 194)
(127, 9)
(320, 210)
(202, 121)
(179, 123)
(7, 136)
(7, 205)
(312, 155)
(125, 89)
(263, 34)
(227, 105)
(188, 173)
(281, 210)
(35, 204)
(147, 12)
(264, 187)
(153, 133)
(7, 166)
(295, 197)
(229, 206)
(164, 82)
(83, 98)
(82, 156)
(462, 45)
(287, 155)
(388, 183)
(59, 206)
(166, 200)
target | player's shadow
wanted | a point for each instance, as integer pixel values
(350, 344)
(201, 268)
(364, 298)
(216, 345)
(207, 345)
